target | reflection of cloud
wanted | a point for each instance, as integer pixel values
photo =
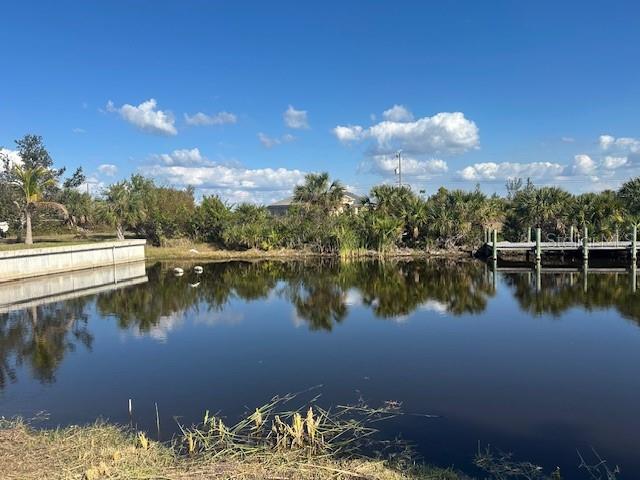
(224, 317)
(168, 323)
(353, 297)
(434, 306)
(296, 319)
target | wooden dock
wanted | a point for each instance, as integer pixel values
(538, 248)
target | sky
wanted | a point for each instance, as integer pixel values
(242, 99)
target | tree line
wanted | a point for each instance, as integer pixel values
(389, 217)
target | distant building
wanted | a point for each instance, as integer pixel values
(350, 201)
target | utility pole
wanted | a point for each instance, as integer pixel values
(399, 169)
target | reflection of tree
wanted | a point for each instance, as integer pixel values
(560, 292)
(41, 336)
(395, 289)
(317, 289)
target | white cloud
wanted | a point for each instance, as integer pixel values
(583, 165)
(349, 133)
(506, 170)
(78, 130)
(183, 157)
(270, 142)
(91, 185)
(146, 117)
(568, 139)
(621, 144)
(443, 133)
(398, 113)
(108, 169)
(12, 155)
(295, 118)
(220, 118)
(611, 163)
(233, 182)
(411, 167)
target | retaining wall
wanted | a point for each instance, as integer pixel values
(20, 264)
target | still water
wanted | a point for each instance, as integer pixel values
(537, 370)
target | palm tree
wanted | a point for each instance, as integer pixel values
(33, 183)
(120, 207)
(319, 191)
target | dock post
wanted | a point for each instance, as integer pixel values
(634, 244)
(538, 246)
(528, 234)
(495, 244)
(571, 234)
(495, 274)
(585, 245)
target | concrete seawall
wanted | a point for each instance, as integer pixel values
(27, 263)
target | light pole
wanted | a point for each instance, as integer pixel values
(399, 169)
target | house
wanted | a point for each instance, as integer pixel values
(350, 201)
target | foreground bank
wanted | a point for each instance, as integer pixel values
(106, 451)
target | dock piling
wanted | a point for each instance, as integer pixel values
(528, 234)
(634, 244)
(538, 245)
(571, 233)
(495, 245)
(585, 245)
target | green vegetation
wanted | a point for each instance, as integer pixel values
(390, 218)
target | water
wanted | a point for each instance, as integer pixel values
(538, 371)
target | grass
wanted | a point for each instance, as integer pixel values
(269, 443)
(104, 451)
(54, 240)
(309, 443)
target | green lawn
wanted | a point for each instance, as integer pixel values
(56, 240)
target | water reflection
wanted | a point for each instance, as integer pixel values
(320, 292)
(555, 293)
(40, 337)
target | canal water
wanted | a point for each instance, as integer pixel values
(540, 370)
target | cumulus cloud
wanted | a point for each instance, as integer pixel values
(202, 119)
(12, 155)
(184, 157)
(295, 118)
(444, 133)
(411, 167)
(398, 113)
(233, 182)
(146, 117)
(108, 169)
(611, 163)
(270, 142)
(350, 133)
(506, 170)
(583, 165)
(621, 144)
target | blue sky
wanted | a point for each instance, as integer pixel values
(242, 98)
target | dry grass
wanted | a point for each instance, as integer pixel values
(103, 451)
(203, 251)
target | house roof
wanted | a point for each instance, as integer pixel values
(287, 202)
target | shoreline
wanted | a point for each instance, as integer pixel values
(105, 450)
(207, 252)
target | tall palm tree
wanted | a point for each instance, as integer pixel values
(319, 191)
(33, 182)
